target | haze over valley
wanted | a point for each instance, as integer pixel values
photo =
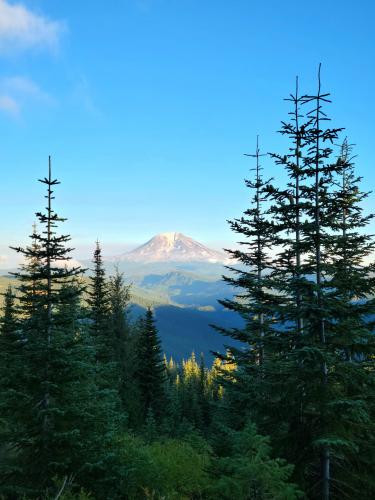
(181, 279)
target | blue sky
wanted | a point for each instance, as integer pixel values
(147, 107)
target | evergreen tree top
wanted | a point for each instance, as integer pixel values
(47, 257)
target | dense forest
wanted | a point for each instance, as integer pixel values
(91, 408)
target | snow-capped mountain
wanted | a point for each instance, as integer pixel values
(172, 247)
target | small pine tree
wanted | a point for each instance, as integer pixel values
(118, 298)
(203, 394)
(247, 470)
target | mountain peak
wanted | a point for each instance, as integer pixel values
(173, 247)
(170, 238)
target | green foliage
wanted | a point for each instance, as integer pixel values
(182, 469)
(187, 468)
(247, 471)
(169, 469)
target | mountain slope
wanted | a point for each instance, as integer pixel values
(185, 307)
(183, 330)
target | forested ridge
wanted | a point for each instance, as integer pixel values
(90, 407)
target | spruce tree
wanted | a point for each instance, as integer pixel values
(150, 371)
(118, 298)
(255, 300)
(314, 385)
(122, 335)
(13, 397)
(10, 339)
(190, 392)
(350, 337)
(306, 365)
(203, 394)
(173, 395)
(111, 418)
(104, 341)
(49, 435)
(98, 301)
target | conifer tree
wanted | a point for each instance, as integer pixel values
(150, 371)
(99, 306)
(49, 435)
(246, 470)
(257, 229)
(12, 384)
(350, 337)
(122, 335)
(317, 351)
(190, 392)
(173, 386)
(203, 394)
(118, 298)
(255, 300)
(104, 330)
(10, 338)
(308, 368)
(103, 333)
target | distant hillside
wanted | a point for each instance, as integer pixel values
(139, 296)
(185, 303)
(186, 288)
(184, 330)
(5, 280)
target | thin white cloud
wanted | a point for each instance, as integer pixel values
(16, 92)
(82, 94)
(69, 263)
(21, 29)
(21, 84)
(24, 86)
(9, 106)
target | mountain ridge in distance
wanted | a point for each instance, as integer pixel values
(171, 247)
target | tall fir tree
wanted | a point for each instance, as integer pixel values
(104, 340)
(123, 337)
(150, 370)
(111, 417)
(255, 300)
(49, 437)
(315, 388)
(351, 343)
(305, 365)
(98, 301)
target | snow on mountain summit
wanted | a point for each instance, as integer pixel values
(173, 247)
